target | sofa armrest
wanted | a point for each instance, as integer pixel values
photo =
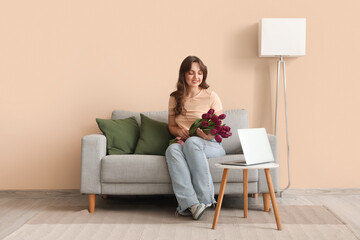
(93, 149)
(262, 184)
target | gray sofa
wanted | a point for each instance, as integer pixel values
(130, 174)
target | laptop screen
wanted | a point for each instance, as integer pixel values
(256, 146)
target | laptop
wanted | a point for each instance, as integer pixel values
(256, 147)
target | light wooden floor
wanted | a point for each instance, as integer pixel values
(17, 207)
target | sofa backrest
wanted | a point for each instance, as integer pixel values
(161, 116)
(236, 119)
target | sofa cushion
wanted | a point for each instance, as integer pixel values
(154, 137)
(121, 134)
(134, 169)
(153, 169)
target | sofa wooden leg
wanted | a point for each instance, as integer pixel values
(253, 195)
(104, 196)
(266, 199)
(91, 203)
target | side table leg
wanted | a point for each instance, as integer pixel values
(245, 187)
(220, 198)
(273, 198)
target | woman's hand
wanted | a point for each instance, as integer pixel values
(183, 133)
(203, 135)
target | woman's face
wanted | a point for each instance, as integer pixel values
(194, 77)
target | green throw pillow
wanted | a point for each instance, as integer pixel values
(154, 137)
(121, 135)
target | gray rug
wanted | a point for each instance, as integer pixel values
(144, 222)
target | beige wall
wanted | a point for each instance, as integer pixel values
(64, 63)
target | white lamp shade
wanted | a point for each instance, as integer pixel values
(282, 37)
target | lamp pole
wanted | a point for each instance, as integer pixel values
(282, 61)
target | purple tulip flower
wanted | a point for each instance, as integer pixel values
(222, 116)
(214, 118)
(218, 138)
(205, 124)
(227, 128)
(205, 116)
(226, 135)
(213, 131)
(223, 134)
(211, 111)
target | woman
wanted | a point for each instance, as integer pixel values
(188, 165)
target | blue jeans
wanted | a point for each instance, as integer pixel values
(189, 171)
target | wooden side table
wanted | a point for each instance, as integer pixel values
(266, 167)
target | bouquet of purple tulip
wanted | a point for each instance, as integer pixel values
(210, 124)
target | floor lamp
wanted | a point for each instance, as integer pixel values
(282, 37)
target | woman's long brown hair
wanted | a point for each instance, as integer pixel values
(182, 85)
